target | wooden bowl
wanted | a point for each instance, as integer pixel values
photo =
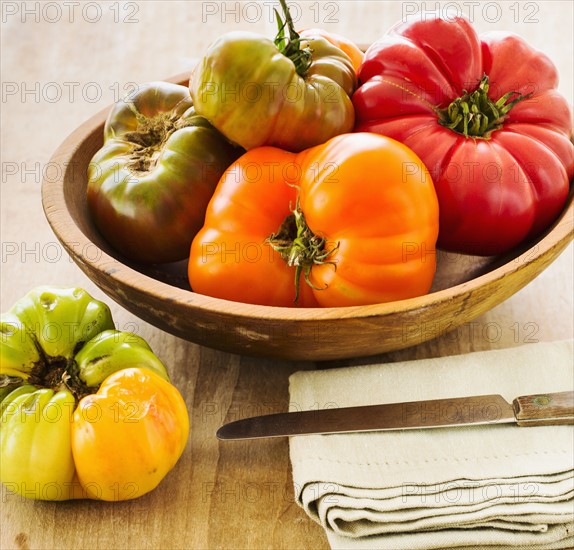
(464, 288)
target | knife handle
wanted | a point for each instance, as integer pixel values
(545, 409)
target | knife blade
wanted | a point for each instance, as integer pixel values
(531, 410)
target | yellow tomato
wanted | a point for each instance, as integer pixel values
(128, 435)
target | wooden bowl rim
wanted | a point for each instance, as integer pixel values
(53, 196)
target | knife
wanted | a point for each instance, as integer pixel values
(531, 410)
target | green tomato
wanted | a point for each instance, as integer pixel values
(111, 351)
(35, 443)
(49, 325)
(292, 93)
(149, 185)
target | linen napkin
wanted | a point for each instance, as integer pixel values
(499, 486)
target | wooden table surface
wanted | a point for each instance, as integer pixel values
(64, 61)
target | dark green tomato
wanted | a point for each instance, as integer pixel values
(256, 95)
(149, 185)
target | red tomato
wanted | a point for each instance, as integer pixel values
(484, 116)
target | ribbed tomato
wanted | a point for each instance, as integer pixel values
(353, 221)
(484, 116)
(292, 92)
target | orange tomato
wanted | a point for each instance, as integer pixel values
(350, 222)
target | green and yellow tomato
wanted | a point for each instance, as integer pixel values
(292, 93)
(86, 411)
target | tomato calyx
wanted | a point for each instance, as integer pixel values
(290, 46)
(58, 373)
(475, 115)
(150, 138)
(301, 248)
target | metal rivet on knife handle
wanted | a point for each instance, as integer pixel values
(545, 409)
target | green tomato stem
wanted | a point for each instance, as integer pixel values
(475, 114)
(290, 46)
(301, 248)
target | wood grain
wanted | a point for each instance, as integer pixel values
(219, 495)
(545, 409)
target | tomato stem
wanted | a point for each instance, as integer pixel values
(290, 46)
(475, 114)
(301, 248)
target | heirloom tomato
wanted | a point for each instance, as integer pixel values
(291, 93)
(350, 222)
(350, 48)
(149, 184)
(484, 115)
(87, 411)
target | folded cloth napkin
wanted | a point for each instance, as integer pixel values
(485, 486)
